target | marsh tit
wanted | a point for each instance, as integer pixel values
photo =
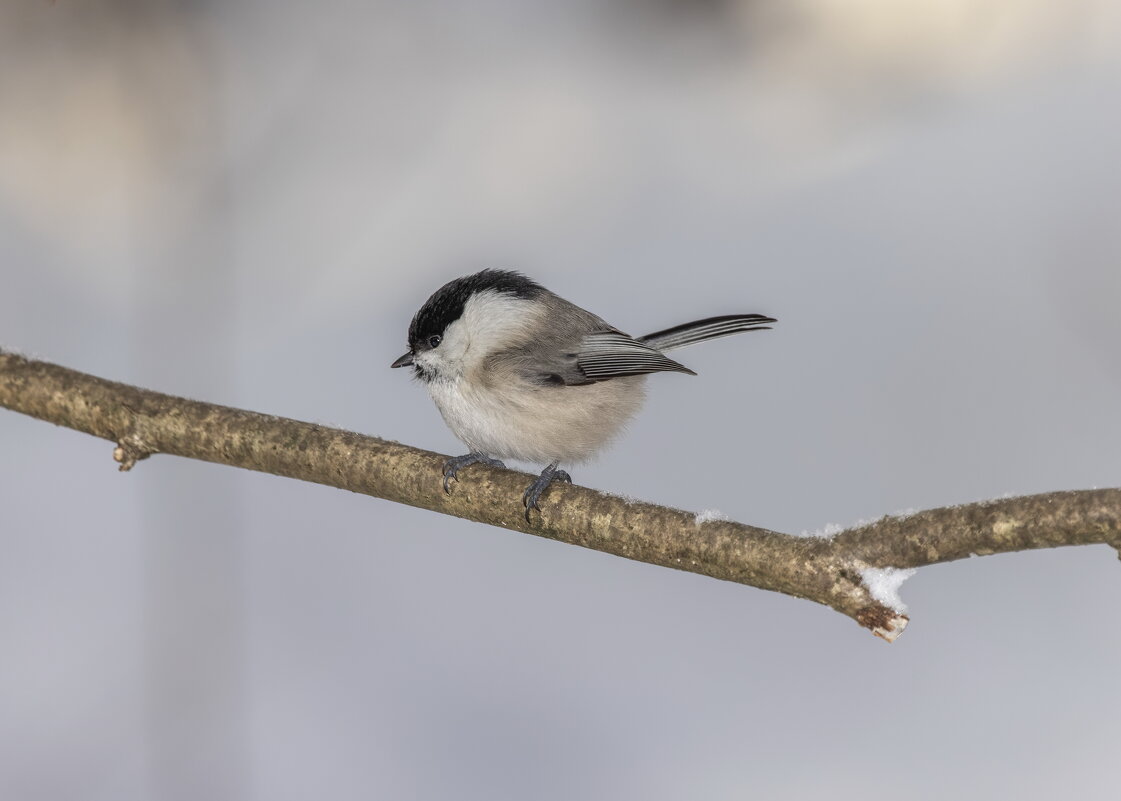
(520, 373)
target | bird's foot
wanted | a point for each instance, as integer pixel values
(540, 484)
(454, 465)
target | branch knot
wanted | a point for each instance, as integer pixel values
(131, 449)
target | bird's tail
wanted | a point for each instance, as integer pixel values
(690, 333)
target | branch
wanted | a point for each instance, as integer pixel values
(855, 572)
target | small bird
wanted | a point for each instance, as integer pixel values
(518, 372)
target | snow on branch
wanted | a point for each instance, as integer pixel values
(856, 572)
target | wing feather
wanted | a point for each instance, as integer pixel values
(613, 354)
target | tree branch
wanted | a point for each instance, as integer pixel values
(854, 572)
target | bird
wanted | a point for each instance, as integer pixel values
(518, 372)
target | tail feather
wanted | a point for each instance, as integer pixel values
(701, 330)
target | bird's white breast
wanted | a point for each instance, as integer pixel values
(538, 424)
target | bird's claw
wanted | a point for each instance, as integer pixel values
(454, 465)
(534, 491)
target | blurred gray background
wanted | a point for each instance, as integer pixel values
(245, 202)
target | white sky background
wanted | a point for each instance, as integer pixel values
(246, 202)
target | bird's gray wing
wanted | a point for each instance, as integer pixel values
(597, 356)
(613, 354)
(580, 349)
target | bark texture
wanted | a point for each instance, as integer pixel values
(829, 571)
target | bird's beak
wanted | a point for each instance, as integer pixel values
(404, 361)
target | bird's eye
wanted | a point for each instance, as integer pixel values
(434, 340)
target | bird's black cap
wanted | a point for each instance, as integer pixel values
(446, 304)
